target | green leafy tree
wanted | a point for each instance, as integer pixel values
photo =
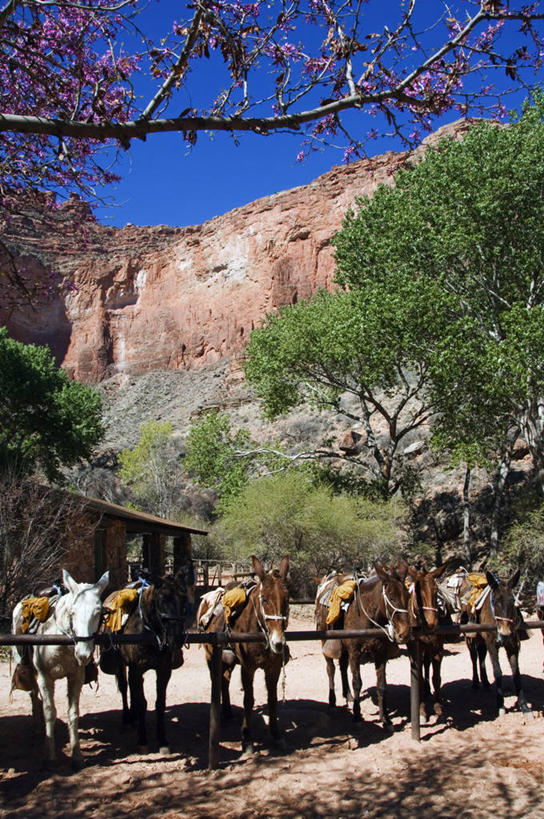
(470, 218)
(289, 513)
(225, 460)
(524, 549)
(364, 354)
(46, 420)
(152, 470)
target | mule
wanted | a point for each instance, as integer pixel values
(378, 602)
(159, 610)
(332, 649)
(266, 610)
(427, 613)
(76, 614)
(500, 611)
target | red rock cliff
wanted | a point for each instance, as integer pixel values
(165, 298)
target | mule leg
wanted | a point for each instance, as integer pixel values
(473, 651)
(47, 693)
(355, 668)
(249, 700)
(494, 654)
(164, 672)
(271, 676)
(138, 704)
(121, 677)
(330, 675)
(482, 653)
(74, 685)
(343, 664)
(437, 681)
(381, 686)
(513, 659)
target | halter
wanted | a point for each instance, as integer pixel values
(413, 596)
(75, 638)
(162, 618)
(264, 628)
(389, 629)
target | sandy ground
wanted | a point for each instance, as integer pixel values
(475, 764)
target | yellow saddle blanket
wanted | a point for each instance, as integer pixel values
(233, 599)
(121, 604)
(478, 582)
(34, 607)
(340, 594)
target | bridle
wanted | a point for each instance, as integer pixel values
(389, 629)
(263, 625)
(415, 598)
(68, 609)
(161, 617)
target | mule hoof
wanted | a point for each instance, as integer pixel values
(279, 744)
(77, 763)
(248, 749)
(164, 750)
(50, 765)
(142, 749)
(502, 711)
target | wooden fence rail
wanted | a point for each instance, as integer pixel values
(219, 639)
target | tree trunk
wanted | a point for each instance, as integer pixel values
(466, 518)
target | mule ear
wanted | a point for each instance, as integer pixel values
(514, 579)
(284, 567)
(438, 571)
(103, 582)
(69, 582)
(491, 579)
(258, 567)
(380, 571)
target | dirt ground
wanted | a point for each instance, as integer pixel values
(474, 764)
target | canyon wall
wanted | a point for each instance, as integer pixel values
(150, 298)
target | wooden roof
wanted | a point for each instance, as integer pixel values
(140, 522)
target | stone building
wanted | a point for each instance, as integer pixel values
(107, 548)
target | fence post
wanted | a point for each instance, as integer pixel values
(415, 665)
(215, 706)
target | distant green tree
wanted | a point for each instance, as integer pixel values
(46, 420)
(152, 470)
(289, 513)
(225, 460)
(524, 549)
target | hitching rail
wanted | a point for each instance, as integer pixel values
(219, 639)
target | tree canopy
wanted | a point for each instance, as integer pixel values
(290, 512)
(441, 323)
(469, 218)
(46, 420)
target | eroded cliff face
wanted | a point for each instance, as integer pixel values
(150, 298)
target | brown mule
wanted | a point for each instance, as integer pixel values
(160, 610)
(266, 611)
(499, 610)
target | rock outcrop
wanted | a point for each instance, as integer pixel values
(149, 298)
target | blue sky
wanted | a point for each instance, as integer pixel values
(164, 183)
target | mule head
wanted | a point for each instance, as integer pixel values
(395, 600)
(165, 604)
(83, 608)
(273, 602)
(502, 601)
(424, 596)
